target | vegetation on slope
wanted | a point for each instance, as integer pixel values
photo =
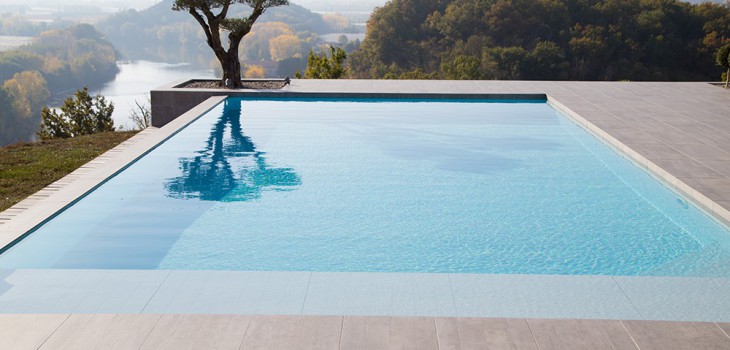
(29, 167)
(56, 61)
(67, 58)
(545, 39)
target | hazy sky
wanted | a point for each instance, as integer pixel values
(318, 5)
(355, 5)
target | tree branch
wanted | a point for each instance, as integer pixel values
(224, 11)
(202, 23)
(211, 28)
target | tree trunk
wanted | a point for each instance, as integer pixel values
(231, 66)
(727, 76)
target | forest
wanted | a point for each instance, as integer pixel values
(662, 40)
(57, 61)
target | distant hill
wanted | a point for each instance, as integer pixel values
(161, 34)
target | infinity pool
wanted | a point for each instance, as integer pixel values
(378, 185)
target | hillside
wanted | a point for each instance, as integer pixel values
(559, 39)
(56, 62)
(161, 34)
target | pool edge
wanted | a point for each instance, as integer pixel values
(714, 210)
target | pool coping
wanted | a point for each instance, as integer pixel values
(169, 101)
(34, 211)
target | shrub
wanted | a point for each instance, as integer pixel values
(323, 66)
(80, 115)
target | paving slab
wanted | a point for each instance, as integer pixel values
(21, 332)
(485, 333)
(677, 335)
(389, 333)
(100, 331)
(293, 332)
(177, 332)
(580, 334)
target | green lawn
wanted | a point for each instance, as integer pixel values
(29, 167)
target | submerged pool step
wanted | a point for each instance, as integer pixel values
(364, 294)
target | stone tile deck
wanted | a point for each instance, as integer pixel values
(124, 331)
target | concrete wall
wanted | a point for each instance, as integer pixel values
(169, 102)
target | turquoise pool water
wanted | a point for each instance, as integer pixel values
(394, 186)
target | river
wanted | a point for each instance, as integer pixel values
(137, 78)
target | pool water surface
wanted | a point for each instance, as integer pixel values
(382, 186)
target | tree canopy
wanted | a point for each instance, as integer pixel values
(214, 23)
(723, 60)
(324, 66)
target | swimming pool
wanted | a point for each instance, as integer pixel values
(389, 186)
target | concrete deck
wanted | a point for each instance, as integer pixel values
(677, 131)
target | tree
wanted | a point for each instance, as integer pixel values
(80, 115)
(141, 116)
(320, 66)
(28, 93)
(462, 68)
(505, 63)
(723, 60)
(547, 61)
(255, 72)
(256, 46)
(237, 28)
(284, 46)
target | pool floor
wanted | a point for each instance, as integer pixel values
(329, 186)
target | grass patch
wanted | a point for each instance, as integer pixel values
(27, 168)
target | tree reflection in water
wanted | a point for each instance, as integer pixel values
(229, 168)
